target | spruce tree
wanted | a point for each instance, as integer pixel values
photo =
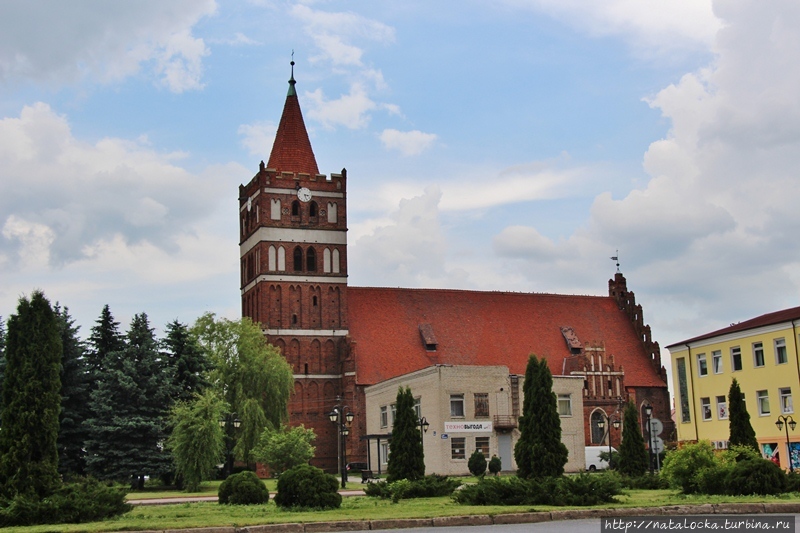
(539, 452)
(2, 360)
(74, 397)
(188, 362)
(632, 457)
(31, 401)
(130, 406)
(741, 431)
(105, 339)
(407, 459)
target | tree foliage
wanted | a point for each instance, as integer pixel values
(407, 460)
(285, 448)
(187, 360)
(31, 401)
(741, 431)
(539, 451)
(633, 458)
(251, 375)
(197, 442)
(74, 398)
(130, 406)
(104, 339)
(477, 464)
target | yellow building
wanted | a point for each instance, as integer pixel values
(762, 355)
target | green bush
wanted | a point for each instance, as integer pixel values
(477, 464)
(306, 486)
(793, 481)
(643, 482)
(495, 465)
(84, 501)
(756, 476)
(427, 487)
(681, 467)
(583, 489)
(244, 488)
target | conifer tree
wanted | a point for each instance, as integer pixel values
(105, 339)
(741, 430)
(74, 397)
(407, 460)
(129, 411)
(188, 361)
(540, 451)
(2, 360)
(632, 457)
(31, 401)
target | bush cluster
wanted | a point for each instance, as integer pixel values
(583, 489)
(244, 488)
(307, 487)
(698, 469)
(477, 464)
(427, 487)
(83, 501)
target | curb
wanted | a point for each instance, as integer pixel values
(510, 518)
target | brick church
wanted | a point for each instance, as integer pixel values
(340, 339)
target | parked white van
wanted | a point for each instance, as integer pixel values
(593, 461)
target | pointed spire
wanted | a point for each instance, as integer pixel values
(291, 151)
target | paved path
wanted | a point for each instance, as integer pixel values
(187, 499)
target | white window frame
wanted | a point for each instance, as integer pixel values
(722, 408)
(758, 355)
(705, 409)
(780, 346)
(384, 417)
(456, 399)
(418, 407)
(716, 361)
(736, 351)
(565, 399)
(762, 402)
(384, 453)
(787, 405)
(702, 365)
(393, 410)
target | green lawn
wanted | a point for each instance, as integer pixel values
(207, 514)
(210, 488)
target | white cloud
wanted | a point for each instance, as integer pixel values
(349, 110)
(102, 41)
(258, 137)
(407, 142)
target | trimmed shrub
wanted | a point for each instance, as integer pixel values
(682, 466)
(84, 501)
(306, 486)
(643, 482)
(244, 488)
(477, 464)
(583, 489)
(427, 487)
(793, 481)
(756, 476)
(495, 465)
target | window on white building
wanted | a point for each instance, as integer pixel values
(393, 408)
(457, 405)
(482, 445)
(418, 408)
(481, 404)
(457, 448)
(384, 453)
(384, 417)
(564, 405)
(762, 399)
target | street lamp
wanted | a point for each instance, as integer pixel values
(789, 423)
(648, 412)
(229, 423)
(422, 424)
(613, 422)
(342, 417)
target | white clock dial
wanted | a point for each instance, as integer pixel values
(303, 194)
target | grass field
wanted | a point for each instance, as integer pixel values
(208, 514)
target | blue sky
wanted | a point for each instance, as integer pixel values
(508, 145)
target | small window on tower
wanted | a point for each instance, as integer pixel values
(312, 210)
(295, 208)
(298, 259)
(311, 260)
(294, 319)
(314, 301)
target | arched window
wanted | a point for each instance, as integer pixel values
(311, 260)
(312, 210)
(298, 259)
(281, 259)
(598, 433)
(326, 260)
(336, 261)
(272, 258)
(295, 208)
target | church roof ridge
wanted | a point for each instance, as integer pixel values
(291, 150)
(477, 291)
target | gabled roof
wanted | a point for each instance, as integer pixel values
(291, 151)
(485, 328)
(786, 315)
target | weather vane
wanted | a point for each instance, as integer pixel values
(615, 257)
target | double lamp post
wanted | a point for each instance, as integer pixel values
(343, 418)
(789, 422)
(611, 421)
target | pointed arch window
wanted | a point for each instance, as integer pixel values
(326, 260)
(298, 259)
(598, 433)
(312, 210)
(311, 260)
(295, 208)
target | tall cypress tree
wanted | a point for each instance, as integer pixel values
(633, 458)
(407, 460)
(31, 401)
(188, 362)
(74, 397)
(741, 430)
(129, 411)
(540, 451)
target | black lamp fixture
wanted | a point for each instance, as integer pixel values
(648, 412)
(790, 423)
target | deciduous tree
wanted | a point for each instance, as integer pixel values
(407, 459)
(197, 441)
(31, 401)
(285, 448)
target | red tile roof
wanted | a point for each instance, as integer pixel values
(485, 328)
(786, 315)
(291, 151)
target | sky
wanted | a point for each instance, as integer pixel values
(502, 145)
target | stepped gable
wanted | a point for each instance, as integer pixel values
(486, 328)
(291, 151)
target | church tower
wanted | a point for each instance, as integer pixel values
(293, 250)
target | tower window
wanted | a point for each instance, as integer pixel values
(314, 301)
(298, 259)
(312, 209)
(295, 208)
(294, 319)
(311, 260)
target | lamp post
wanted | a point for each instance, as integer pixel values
(611, 422)
(229, 424)
(648, 412)
(789, 421)
(342, 417)
(422, 424)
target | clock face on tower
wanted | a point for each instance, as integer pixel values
(303, 194)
